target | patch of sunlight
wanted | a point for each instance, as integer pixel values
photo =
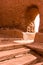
(37, 23)
(23, 41)
(27, 38)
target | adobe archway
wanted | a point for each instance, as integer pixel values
(30, 15)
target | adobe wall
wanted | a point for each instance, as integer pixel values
(12, 12)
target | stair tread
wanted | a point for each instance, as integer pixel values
(11, 53)
(40, 63)
(36, 46)
(10, 45)
(24, 60)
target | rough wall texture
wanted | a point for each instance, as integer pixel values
(12, 33)
(12, 13)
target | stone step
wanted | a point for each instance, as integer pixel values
(12, 53)
(9, 45)
(38, 47)
(27, 59)
(40, 63)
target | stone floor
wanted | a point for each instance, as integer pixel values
(14, 53)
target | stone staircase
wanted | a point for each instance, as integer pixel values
(12, 53)
(38, 47)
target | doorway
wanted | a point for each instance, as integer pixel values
(32, 19)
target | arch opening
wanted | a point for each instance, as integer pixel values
(32, 19)
(32, 22)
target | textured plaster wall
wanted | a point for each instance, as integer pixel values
(12, 13)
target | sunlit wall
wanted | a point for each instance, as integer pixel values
(37, 23)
